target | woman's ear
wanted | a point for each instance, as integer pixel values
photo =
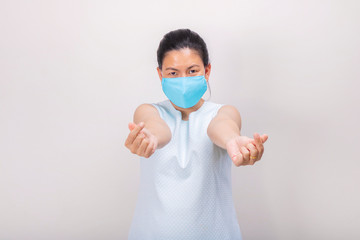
(207, 71)
(159, 73)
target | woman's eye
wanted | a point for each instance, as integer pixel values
(192, 71)
(173, 73)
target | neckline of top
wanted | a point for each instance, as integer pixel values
(190, 114)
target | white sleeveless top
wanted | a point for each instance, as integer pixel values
(185, 187)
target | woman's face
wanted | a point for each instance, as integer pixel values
(183, 63)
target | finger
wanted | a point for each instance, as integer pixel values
(133, 134)
(146, 132)
(136, 144)
(129, 139)
(155, 144)
(149, 149)
(246, 155)
(131, 126)
(142, 147)
(260, 154)
(253, 153)
(258, 144)
(233, 151)
(257, 140)
(264, 137)
(238, 159)
(149, 135)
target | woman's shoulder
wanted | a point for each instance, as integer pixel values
(151, 109)
(223, 108)
(163, 103)
(153, 105)
(160, 107)
(217, 105)
(221, 105)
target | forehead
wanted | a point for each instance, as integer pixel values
(181, 58)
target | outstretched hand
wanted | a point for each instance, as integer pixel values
(140, 140)
(246, 151)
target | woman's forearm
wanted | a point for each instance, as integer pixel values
(221, 130)
(157, 127)
(160, 130)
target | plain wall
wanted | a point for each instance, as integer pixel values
(73, 72)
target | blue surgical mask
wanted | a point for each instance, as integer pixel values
(184, 92)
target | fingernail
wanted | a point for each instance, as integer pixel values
(141, 124)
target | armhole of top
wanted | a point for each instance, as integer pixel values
(219, 105)
(158, 109)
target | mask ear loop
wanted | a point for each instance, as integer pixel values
(208, 84)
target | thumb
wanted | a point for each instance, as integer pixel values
(233, 151)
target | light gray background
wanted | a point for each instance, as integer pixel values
(73, 72)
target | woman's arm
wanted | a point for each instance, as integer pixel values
(224, 126)
(155, 125)
(224, 131)
(148, 132)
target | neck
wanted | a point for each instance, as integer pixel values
(185, 112)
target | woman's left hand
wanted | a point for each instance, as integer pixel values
(246, 151)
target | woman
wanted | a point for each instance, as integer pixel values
(186, 147)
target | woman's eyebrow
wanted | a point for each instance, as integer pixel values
(170, 68)
(194, 65)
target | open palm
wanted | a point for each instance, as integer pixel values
(246, 151)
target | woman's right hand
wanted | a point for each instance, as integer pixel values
(140, 140)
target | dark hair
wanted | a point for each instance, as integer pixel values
(182, 38)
